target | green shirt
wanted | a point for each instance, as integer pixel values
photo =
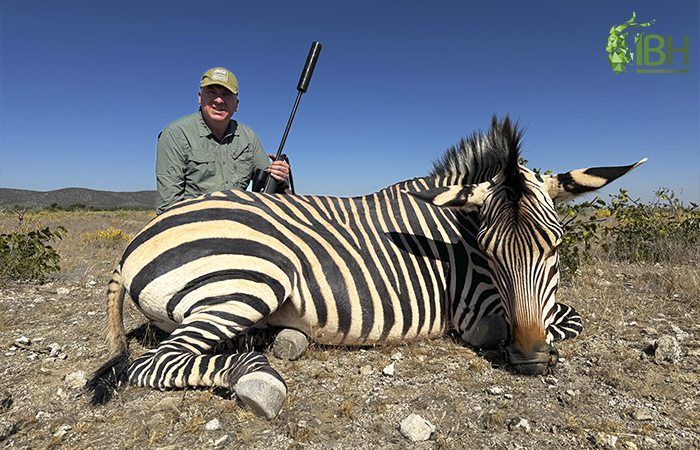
(190, 161)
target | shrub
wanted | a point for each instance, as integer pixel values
(26, 254)
(659, 231)
(662, 230)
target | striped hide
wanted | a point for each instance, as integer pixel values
(477, 238)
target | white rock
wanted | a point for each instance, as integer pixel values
(62, 431)
(213, 425)
(63, 291)
(495, 390)
(604, 440)
(389, 370)
(416, 428)
(55, 349)
(76, 379)
(23, 340)
(43, 415)
(365, 370)
(519, 424)
(642, 414)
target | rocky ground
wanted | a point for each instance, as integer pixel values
(631, 381)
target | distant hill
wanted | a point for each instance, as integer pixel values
(73, 196)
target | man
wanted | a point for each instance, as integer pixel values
(208, 151)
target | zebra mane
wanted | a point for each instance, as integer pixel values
(480, 156)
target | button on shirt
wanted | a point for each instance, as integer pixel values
(191, 161)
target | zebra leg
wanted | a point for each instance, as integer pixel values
(181, 361)
(566, 324)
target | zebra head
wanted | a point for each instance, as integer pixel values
(520, 233)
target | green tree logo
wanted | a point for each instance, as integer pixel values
(618, 52)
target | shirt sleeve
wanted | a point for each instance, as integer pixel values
(170, 170)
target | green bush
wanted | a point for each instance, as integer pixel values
(27, 255)
(661, 230)
(629, 230)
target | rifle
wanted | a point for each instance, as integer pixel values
(262, 177)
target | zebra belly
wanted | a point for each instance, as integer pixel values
(288, 316)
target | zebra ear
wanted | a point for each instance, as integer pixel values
(468, 198)
(566, 186)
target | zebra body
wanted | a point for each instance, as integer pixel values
(410, 261)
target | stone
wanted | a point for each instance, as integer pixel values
(365, 370)
(62, 291)
(54, 350)
(642, 414)
(519, 424)
(212, 425)
(290, 344)
(416, 428)
(389, 370)
(495, 390)
(76, 379)
(62, 431)
(604, 441)
(667, 349)
(263, 393)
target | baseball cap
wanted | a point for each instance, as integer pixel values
(222, 77)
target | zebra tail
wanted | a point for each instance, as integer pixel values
(107, 378)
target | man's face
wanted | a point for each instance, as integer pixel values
(218, 103)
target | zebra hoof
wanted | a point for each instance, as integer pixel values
(262, 393)
(290, 344)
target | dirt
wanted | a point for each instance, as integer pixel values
(631, 380)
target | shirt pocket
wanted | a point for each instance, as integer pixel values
(201, 167)
(241, 168)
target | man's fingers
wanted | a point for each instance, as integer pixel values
(279, 170)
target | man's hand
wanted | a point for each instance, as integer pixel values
(278, 169)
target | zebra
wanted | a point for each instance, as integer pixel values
(474, 240)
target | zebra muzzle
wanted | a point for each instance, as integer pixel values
(540, 361)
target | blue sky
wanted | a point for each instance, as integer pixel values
(85, 87)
